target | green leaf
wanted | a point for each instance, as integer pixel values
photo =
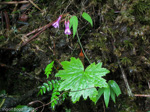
(53, 105)
(87, 17)
(50, 85)
(100, 92)
(41, 91)
(47, 86)
(56, 97)
(22, 108)
(80, 82)
(64, 96)
(71, 22)
(57, 93)
(74, 23)
(48, 69)
(115, 87)
(44, 89)
(55, 101)
(112, 94)
(107, 95)
(54, 85)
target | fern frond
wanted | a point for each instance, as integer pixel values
(48, 69)
(49, 86)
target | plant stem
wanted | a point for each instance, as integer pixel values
(82, 49)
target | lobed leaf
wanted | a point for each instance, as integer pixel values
(80, 82)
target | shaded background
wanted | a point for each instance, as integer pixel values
(120, 32)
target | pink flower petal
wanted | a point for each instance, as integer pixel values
(56, 24)
(67, 29)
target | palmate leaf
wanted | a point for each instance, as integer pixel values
(80, 82)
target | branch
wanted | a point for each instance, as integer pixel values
(41, 29)
(37, 34)
(15, 2)
(141, 95)
(125, 79)
(7, 20)
(35, 5)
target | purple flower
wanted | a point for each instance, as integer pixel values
(56, 24)
(67, 29)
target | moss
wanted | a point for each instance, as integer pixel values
(142, 12)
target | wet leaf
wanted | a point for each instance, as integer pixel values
(112, 94)
(115, 87)
(80, 82)
(100, 92)
(106, 95)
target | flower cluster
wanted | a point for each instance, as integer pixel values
(67, 29)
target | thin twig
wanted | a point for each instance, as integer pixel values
(125, 79)
(37, 34)
(40, 31)
(37, 101)
(141, 95)
(35, 5)
(7, 20)
(149, 84)
(36, 30)
(50, 101)
(15, 2)
(2, 20)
